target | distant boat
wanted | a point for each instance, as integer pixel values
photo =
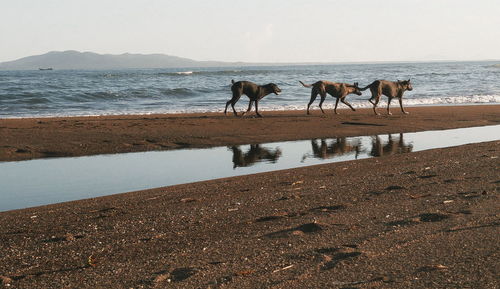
(48, 68)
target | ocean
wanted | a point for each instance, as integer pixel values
(39, 93)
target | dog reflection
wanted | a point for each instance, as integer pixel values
(339, 146)
(256, 153)
(393, 146)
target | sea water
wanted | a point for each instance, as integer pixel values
(147, 91)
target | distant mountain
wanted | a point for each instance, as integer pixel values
(88, 60)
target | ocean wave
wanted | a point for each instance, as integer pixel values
(99, 95)
(177, 92)
(111, 75)
(433, 74)
(235, 72)
(105, 96)
(36, 100)
(442, 100)
(488, 98)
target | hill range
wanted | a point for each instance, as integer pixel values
(89, 60)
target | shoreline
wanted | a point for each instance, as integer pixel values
(381, 107)
(32, 138)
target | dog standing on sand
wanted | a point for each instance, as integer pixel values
(335, 89)
(253, 91)
(391, 89)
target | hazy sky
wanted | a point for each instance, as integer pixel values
(256, 30)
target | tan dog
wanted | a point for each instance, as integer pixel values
(390, 89)
(335, 89)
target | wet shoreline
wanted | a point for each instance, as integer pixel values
(23, 139)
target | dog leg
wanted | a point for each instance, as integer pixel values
(321, 104)
(389, 103)
(336, 103)
(401, 104)
(232, 105)
(346, 103)
(233, 101)
(234, 110)
(227, 104)
(257, 108)
(322, 93)
(249, 107)
(375, 95)
(314, 94)
(375, 105)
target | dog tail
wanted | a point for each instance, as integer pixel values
(305, 85)
(366, 87)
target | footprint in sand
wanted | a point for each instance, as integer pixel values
(328, 208)
(268, 218)
(470, 195)
(308, 228)
(339, 255)
(401, 223)
(394, 187)
(181, 274)
(427, 217)
(177, 275)
(432, 217)
(427, 176)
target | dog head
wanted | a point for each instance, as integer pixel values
(274, 88)
(405, 84)
(356, 89)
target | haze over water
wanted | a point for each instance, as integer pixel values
(85, 92)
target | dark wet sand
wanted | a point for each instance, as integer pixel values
(22, 139)
(428, 219)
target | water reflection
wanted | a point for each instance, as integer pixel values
(392, 146)
(329, 148)
(256, 153)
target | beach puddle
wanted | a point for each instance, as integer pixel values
(44, 181)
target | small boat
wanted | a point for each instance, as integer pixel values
(48, 68)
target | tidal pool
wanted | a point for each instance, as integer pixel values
(44, 181)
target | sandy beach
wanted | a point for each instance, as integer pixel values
(426, 219)
(23, 139)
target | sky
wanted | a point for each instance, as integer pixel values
(256, 30)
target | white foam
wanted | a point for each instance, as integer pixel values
(185, 72)
(489, 98)
(281, 106)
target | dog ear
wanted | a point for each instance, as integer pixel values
(356, 84)
(408, 80)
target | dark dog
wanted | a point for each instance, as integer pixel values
(390, 89)
(253, 91)
(337, 90)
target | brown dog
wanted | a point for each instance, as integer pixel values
(253, 91)
(390, 89)
(337, 90)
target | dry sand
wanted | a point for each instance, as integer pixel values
(428, 219)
